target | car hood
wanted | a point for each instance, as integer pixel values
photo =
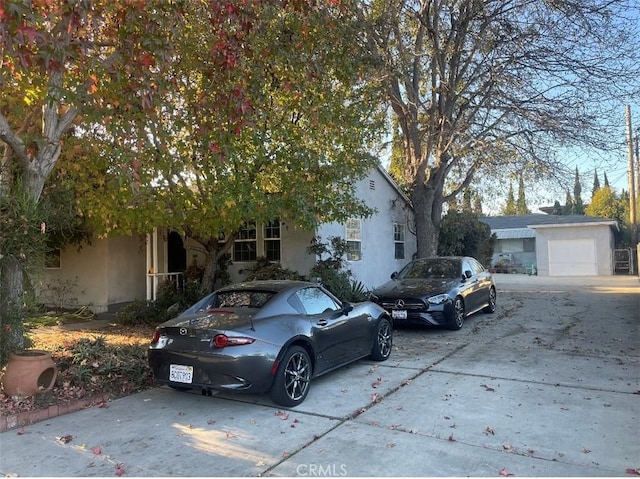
(222, 320)
(414, 287)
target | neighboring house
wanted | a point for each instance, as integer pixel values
(117, 270)
(555, 245)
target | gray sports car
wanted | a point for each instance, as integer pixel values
(267, 336)
(438, 291)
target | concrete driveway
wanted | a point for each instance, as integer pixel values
(549, 385)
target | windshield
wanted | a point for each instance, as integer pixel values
(433, 268)
(231, 299)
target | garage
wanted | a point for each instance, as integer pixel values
(576, 257)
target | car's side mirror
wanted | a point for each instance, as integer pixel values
(394, 275)
(346, 308)
(467, 274)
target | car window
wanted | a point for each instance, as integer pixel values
(476, 267)
(316, 301)
(431, 269)
(234, 299)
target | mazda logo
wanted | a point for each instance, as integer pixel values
(183, 331)
(400, 304)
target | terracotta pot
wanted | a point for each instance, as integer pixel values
(28, 373)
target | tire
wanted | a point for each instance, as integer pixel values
(458, 314)
(383, 341)
(491, 307)
(291, 384)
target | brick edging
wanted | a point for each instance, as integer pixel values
(26, 418)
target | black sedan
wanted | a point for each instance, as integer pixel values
(439, 291)
(267, 336)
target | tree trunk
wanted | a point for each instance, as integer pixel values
(210, 269)
(427, 204)
(214, 251)
(11, 307)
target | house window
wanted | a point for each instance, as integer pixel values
(398, 240)
(244, 248)
(272, 240)
(529, 245)
(354, 240)
(52, 259)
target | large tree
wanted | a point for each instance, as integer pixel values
(489, 86)
(56, 57)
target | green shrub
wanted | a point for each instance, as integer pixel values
(141, 312)
(265, 269)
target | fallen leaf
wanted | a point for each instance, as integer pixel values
(282, 415)
(487, 388)
(181, 414)
(374, 397)
(633, 472)
(91, 464)
(211, 421)
(260, 464)
(97, 451)
(65, 439)
(103, 405)
(230, 435)
(507, 447)
(120, 469)
(451, 439)
(376, 383)
(21, 432)
(504, 472)
(489, 430)
(585, 450)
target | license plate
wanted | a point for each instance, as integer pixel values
(399, 314)
(181, 374)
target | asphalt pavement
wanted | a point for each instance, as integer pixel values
(548, 385)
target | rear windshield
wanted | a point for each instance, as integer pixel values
(231, 299)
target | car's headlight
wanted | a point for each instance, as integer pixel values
(439, 299)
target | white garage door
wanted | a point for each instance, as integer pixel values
(572, 257)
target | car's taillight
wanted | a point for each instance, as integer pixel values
(156, 337)
(222, 340)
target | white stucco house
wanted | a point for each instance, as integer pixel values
(556, 245)
(113, 271)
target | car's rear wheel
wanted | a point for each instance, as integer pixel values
(458, 314)
(291, 383)
(491, 305)
(383, 341)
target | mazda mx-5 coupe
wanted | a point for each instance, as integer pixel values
(267, 336)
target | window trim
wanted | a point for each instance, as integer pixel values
(239, 240)
(397, 242)
(272, 239)
(354, 241)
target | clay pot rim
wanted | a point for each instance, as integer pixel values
(28, 353)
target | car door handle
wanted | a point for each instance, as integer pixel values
(322, 322)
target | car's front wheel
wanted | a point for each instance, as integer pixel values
(458, 314)
(291, 383)
(383, 341)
